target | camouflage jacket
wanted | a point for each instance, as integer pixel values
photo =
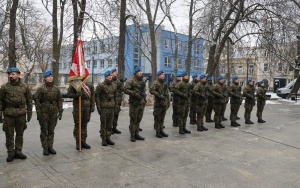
(161, 92)
(218, 94)
(86, 100)
(248, 92)
(200, 90)
(192, 84)
(106, 95)
(261, 95)
(182, 89)
(136, 89)
(120, 88)
(15, 99)
(225, 93)
(48, 97)
(235, 94)
(171, 89)
(209, 92)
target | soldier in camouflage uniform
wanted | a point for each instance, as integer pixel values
(162, 102)
(193, 113)
(225, 93)
(218, 102)
(200, 90)
(136, 89)
(235, 100)
(48, 103)
(248, 92)
(182, 90)
(120, 84)
(15, 102)
(175, 114)
(87, 93)
(106, 99)
(210, 99)
(261, 100)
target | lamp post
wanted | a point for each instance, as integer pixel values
(247, 61)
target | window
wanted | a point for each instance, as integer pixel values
(232, 69)
(223, 70)
(102, 47)
(266, 67)
(179, 62)
(95, 63)
(109, 63)
(101, 63)
(291, 68)
(251, 69)
(167, 62)
(95, 48)
(240, 69)
(196, 48)
(196, 64)
(168, 44)
(88, 50)
(279, 66)
(179, 46)
(88, 64)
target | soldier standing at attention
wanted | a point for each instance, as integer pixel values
(161, 93)
(119, 86)
(218, 102)
(261, 100)
(175, 100)
(182, 90)
(87, 94)
(193, 113)
(15, 102)
(106, 98)
(235, 100)
(48, 103)
(225, 93)
(210, 98)
(248, 92)
(136, 89)
(200, 91)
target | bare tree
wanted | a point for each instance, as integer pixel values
(12, 35)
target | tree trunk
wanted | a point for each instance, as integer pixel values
(190, 40)
(78, 21)
(12, 59)
(122, 32)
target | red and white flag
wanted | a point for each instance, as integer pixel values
(79, 74)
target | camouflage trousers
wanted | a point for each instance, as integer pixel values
(223, 109)
(175, 114)
(10, 126)
(85, 118)
(248, 110)
(201, 110)
(106, 120)
(209, 110)
(260, 109)
(183, 110)
(117, 110)
(217, 107)
(193, 112)
(136, 113)
(234, 109)
(48, 121)
(159, 114)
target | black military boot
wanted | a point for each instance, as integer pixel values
(163, 134)
(175, 125)
(233, 124)
(45, 151)
(237, 124)
(199, 128)
(20, 156)
(261, 121)
(209, 120)
(248, 122)
(238, 118)
(186, 131)
(109, 142)
(10, 158)
(158, 134)
(204, 128)
(222, 126)
(138, 137)
(51, 150)
(132, 138)
(181, 130)
(192, 122)
(85, 145)
(217, 126)
(104, 142)
(224, 119)
(115, 130)
(140, 129)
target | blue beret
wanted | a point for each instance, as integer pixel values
(249, 80)
(160, 72)
(209, 79)
(178, 74)
(136, 70)
(220, 77)
(47, 73)
(113, 70)
(194, 75)
(107, 73)
(202, 76)
(261, 82)
(234, 78)
(184, 73)
(13, 69)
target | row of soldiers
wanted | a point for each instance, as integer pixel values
(16, 105)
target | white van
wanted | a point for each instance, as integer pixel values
(285, 91)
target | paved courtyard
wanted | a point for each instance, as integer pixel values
(259, 155)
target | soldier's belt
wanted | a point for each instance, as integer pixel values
(16, 106)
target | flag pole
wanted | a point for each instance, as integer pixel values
(79, 123)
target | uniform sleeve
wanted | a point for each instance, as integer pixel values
(28, 100)
(197, 91)
(1, 98)
(128, 88)
(246, 94)
(97, 97)
(177, 91)
(260, 94)
(59, 101)
(72, 93)
(153, 90)
(37, 97)
(215, 93)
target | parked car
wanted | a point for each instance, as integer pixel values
(285, 91)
